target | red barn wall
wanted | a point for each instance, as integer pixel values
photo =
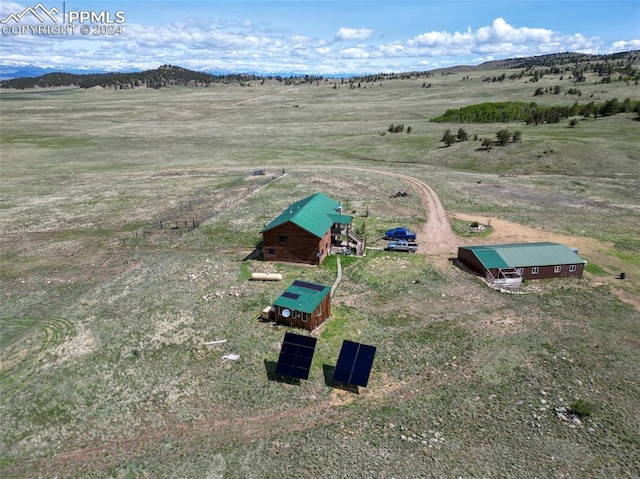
(544, 272)
(471, 261)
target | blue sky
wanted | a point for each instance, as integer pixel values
(315, 37)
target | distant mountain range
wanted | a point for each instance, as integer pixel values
(24, 77)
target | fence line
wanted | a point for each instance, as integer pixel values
(171, 220)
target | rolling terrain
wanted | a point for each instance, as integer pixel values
(130, 220)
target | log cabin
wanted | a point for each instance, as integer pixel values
(308, 230)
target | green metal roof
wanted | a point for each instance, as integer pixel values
(315, 214)
(518, 255)
(302, 296)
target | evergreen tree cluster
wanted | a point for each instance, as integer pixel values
(162, 77)
(613, 67)
(532, 113)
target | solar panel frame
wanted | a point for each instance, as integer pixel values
(354, 363)
(296, 356)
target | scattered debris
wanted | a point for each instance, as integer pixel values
(400, 194)
(217, 294)
(232, 357)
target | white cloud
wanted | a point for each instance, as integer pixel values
(353, 53)
(393, 49)
(500, 31)
(353, 33)
(500, 39)
(248, 46)
(626, 45)
(431, 39)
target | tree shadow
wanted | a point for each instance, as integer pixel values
(256, 253)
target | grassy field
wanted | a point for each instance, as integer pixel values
(103, 367)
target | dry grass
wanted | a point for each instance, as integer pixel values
(104, 370)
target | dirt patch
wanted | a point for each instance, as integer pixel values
(592, 250)
(437, 238)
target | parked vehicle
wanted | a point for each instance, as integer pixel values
(400, 233)
(402, 245)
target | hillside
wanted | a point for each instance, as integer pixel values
(624, 65)
(130, 344)
(162, 77)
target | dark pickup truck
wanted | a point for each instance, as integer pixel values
(400, 233)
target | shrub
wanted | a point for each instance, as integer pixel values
(582, 408)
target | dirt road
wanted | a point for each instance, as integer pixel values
(436, 237)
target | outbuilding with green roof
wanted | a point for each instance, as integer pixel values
(524, 260)
(303, 305)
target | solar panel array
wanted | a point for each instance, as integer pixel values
(296, 356)
(289, 295)
(304, 284)
(354, 363)
(353, 366)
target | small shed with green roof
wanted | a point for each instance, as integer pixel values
(307, 230)
(522, 260)
(303, 305)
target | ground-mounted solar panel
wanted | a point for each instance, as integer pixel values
(296, 356)
(354, 363)
(304, 284)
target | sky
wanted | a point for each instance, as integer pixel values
(307, 36)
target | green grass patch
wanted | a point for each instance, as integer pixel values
(470, 229)
(596, 270)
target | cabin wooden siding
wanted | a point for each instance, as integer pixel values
(291, 244)
(299, 319)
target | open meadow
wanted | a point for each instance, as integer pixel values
(104, 314)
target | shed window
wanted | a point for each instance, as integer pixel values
(534, 270)
(283, 238)
(572, 268)
(271, 251)
(557, 269)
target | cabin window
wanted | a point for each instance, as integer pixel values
(271, 251)
(557, 269)
(535, 270)
(572, 268)
(283, 238)
(520, 271)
